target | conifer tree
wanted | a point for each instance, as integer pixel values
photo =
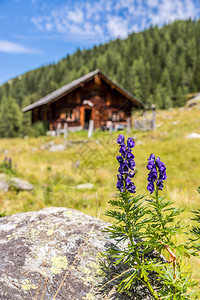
(10, 118)
(26, 118)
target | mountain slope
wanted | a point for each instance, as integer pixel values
(158, 65)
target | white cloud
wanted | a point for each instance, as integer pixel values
(170, 10)
(153, 3)
(111, 18)
(76, 16)
(117, 27)
(10, 47)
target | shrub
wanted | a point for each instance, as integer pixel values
(39, 129)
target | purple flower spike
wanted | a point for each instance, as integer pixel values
(127, 164)
(157, 172)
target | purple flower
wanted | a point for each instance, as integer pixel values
(120, 177)
(130, 142)
(122, 150)
(152, 157)
(126, 165)
(131, 188)
(150, 187)
(130, 156)
(120, 185)
(131, 165)
(120, 139)
(131, 174)
(157, 172)
(123, 168)
(120, 159)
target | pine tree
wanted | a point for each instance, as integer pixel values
(26, 118)
(10, 118)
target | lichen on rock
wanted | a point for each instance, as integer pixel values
(52, 250)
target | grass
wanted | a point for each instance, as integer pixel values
(55, 175)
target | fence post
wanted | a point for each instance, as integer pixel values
(65, 131)
(91, 128)
(58, 129)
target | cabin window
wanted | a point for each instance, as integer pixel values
(72, 115)
(117, 116)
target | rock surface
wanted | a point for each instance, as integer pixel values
(8, 183)
(53, 254)
(85, 186)
(59, 147)
(193, 135)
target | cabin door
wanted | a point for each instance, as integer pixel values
(87, 118)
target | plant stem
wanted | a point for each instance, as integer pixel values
(151, 290)
(159, 212)
(128, 224)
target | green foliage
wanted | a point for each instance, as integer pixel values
(2, 214)
(161, 226)
(176, 288)
(6, 167)
(38, 129)
(143, 232)
(196, 230)
(10, 118)
(26, 118)
(146, 227)
(159, 65)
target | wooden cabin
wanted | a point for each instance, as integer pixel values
(92, 97)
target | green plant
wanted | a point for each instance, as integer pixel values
(144, 230)
(7, 167)
(39, 129)
(2, 214)
(196, 231)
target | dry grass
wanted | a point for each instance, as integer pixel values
(55, 176)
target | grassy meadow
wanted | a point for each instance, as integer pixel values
(55, 175)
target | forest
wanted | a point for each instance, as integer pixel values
(158, 65)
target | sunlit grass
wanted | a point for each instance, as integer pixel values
(55, 175)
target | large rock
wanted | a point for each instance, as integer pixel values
(14, 183)
(54, 252)
(20, 184)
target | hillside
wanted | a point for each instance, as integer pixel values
(158, 65)
(56, 176)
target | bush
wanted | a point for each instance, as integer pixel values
(39, 129)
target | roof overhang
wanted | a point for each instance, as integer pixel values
(66, 89)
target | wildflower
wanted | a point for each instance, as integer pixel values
(157, 173)
(126, 165)
(130, 143)
(120, 139)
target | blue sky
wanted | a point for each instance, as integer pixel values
(38, 32)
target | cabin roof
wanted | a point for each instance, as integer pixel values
(57, 94)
